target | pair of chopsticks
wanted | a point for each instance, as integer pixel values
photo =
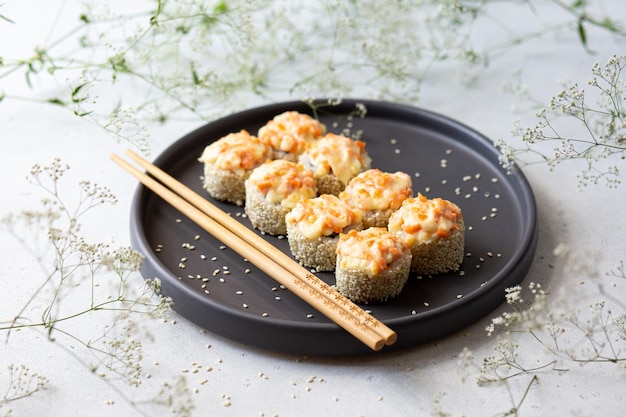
(262, 254)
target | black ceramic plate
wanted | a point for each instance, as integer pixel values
(217, 289)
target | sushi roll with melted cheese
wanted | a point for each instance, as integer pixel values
(289, 133)
(334, 161)
(434, 231)
(313, 228)
(378, 194)
(228, 162)
(373, 265)
(272, 190)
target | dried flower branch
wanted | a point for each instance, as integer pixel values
(81, 279)
(202, 59)
(555, 335)
(600, 128)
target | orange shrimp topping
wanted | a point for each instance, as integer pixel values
(237, 152)
(426, 220)
(377, 190)
(371, 250)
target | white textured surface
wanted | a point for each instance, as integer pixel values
(263, 384)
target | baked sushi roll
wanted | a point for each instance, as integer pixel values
(434, 231)
(313, 228)
(373, 265)
(228, 162)
(378, 194)
(334, 161)
(272, 190)
(289, 133)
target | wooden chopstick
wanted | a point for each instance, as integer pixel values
(266, 257)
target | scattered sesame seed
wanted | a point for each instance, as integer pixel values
(244, 305)
(461, 273)
(222, 280)
(467, 178)
(247, 271)
(207, 292)
(427, 189)
(413, 312)
(264, 314)
(277, 298)
(239, 292)
(483, 218)
(444, 182)
(309, 316)
(494, 180)
(197, 237)
(475, 189)
(393, 141)
(214, 258)
(470, 228)
(448, 151)
(183, 259)
(468, 196)
(222, 247)
(459, 296)
(179, 221)
(426, 304)
(397, 151)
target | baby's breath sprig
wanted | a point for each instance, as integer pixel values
(22, 383)
(587, 125)
(82, 279)
(555, 335)
(202, 59)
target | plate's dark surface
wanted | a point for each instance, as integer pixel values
(214, 287)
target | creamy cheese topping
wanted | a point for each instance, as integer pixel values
(377, 190)
(291, 131)
(425, 220)
(371, 250)
(322, 216)
(283, 182)
(335, 154)
(237, 152)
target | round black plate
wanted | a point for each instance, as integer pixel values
(217, 289)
